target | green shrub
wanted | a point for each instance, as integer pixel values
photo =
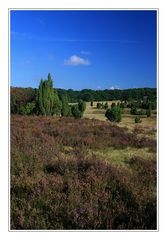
(81, 106)
(148, 112)
(106, 105)
(133, 111)
(114, 114)
(65, 110)
(28, 109)
(48, 100)
(75, 112)
(122, 105)
(113, 105)
(98, 105)
(138, 119)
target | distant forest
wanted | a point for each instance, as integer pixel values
(28, 94)
(22, 98)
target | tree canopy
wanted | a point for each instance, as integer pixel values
(48, 99)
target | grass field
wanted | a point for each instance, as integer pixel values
(148, 125)
(82, 174)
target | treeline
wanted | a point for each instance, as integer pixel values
(47, 100)
(27, 94)
(89, 95)
(44, 101)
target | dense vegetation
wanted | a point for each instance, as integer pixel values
(64, 171)
(61, 178)
(44, 101)
(89, 95)
(137, 98)
(114, 114)
(48, 101)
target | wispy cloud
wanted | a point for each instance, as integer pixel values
(85, 53)
(74, 60)
(23, 36)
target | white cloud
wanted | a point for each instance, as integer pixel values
(74, 60)
(114, 87)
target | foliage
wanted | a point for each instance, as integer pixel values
(76, 112)
(65, 110)
(19, 97)
(143, 97)
(28, 109)
(57, 105)
(113, 104)
(113, 114)
(109, 95)
(122, 105)
(138, 119)
(149, 104)
(148, 112)
(135, 111)
(106, 105)
(118, 104)
(81, 106)
(48, 100)
(98, 105)
(101, 105)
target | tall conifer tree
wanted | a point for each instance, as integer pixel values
(49, 103)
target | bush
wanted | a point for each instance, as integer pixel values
(148, 112)
(99, 105)
(133, 111)
(138, 119)
(75, 112)
(113, 105)
(122, 105)
(28, 109)
(106, 105)
(114, 114)
(81, 106)
(65, 110)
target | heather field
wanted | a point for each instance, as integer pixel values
(83, 120)
(82, 174)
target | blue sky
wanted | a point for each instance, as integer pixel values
(83, 49)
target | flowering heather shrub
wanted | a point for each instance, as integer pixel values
(56, 184)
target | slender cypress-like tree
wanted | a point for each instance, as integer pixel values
(65, 110)
(49, 103)
(40, 98)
